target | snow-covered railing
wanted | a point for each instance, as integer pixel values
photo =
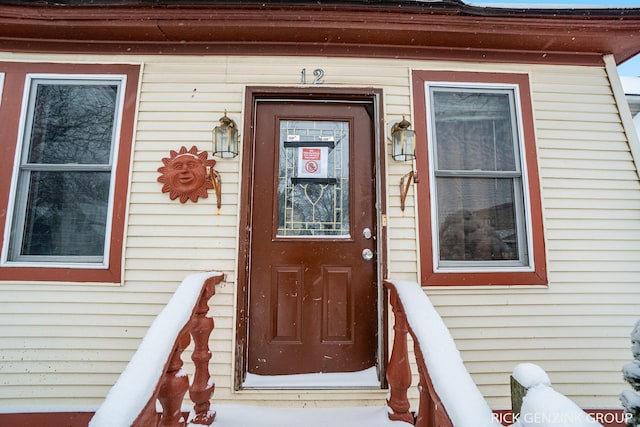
(155, 372)
(541, 404)
(448, 396)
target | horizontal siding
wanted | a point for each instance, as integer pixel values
(66, 344)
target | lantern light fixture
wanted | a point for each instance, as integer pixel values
(403, 144)
(225, 138)
(403, 141)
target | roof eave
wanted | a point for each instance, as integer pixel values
(451, 29)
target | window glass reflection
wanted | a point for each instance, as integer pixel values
(72, 124)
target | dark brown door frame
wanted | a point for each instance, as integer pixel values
(254, 94)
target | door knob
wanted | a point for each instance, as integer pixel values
(367, 254)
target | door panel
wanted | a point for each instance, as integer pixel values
(337, 305)
(312, 296)
(286, 292)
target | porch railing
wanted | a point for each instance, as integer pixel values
(448, 397)
(155, 375)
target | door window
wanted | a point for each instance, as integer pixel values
(313, 179)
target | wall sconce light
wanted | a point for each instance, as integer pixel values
(225, 146)
(225, 138)
(403, 142)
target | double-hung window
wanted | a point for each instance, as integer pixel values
(483, 218)
(64, 183)
(478, 186)
(69, 182)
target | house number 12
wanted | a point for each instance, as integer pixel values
(318, 73)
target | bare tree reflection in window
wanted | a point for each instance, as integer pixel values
(73, 124)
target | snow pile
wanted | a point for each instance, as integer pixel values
(631, 372)
(542, 406)
(530, 375)
(244, 415)
(136, 384)
(459, 394)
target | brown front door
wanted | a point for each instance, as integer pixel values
(313, 291)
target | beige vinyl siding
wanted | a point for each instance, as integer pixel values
(65, 344)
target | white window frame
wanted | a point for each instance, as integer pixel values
(522, 196)
(17, 196)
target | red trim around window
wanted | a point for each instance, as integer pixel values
(12, 94)
(429, 277)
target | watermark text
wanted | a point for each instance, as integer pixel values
(551, 418)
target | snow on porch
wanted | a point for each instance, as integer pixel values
(367, 378)
(249, 416)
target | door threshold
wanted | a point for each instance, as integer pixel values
(366, 379)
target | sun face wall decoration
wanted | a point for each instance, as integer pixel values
(185, 174)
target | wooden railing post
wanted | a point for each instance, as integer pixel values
(518, 391)
(202, 387)
(399, 370)
(426, 410)
(174, 385)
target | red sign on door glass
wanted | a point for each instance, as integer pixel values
(310, 154)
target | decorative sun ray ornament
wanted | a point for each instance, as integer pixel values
(185, 174)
